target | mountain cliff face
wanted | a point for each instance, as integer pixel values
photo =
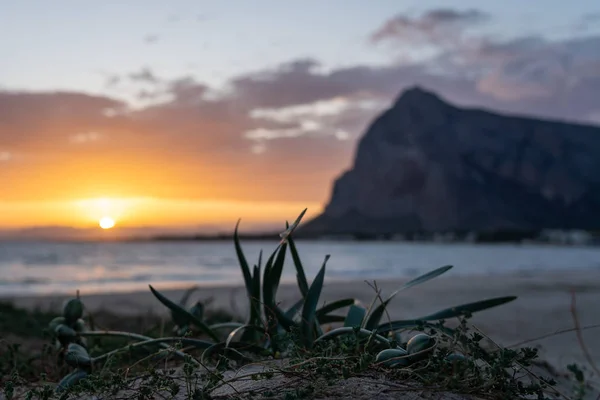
(425, 165)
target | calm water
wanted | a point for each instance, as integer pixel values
(42, 268)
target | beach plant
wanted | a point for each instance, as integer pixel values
(270, 331)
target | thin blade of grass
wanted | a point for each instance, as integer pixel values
(374, 317)
(310, 306)
(183, 313)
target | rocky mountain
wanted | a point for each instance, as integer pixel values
(426, 165)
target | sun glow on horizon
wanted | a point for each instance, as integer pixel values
(135, 212)
(106, 223)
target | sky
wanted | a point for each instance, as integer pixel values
(196, 113)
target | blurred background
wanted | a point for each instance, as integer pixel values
(133, 136)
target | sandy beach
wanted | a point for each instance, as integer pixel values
(543, 305)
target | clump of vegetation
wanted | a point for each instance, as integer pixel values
(292, 342)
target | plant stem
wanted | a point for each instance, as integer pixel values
(145, 340)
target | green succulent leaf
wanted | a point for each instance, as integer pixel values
(186, 295)
(309, 310)
(295, 309)
(79, 325)
(277, 269)
(447, 313)
(288, 232)
(257, 329)
(65, 334)
(468, 308)
(330, 319)
(242, 259)
(73, 310)
(393, 358)
(260, 255)
(255, 302)
(225, 326)
(70, 380)
(183, 314)
(334, 306)
(56, 322)
(285, 322)
(274, 316)
(77, 356)
(355, 316)
(375, 316)
(300, 275)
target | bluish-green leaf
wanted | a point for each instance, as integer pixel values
(355, 316)
(375, 316)
(73, 310)
(70, 380)
(77, 356)
(310, 306)
(183, 313)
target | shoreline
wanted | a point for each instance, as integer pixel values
(543, 305)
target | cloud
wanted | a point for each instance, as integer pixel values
(85, 137)
(151, 38)
(294, 125)
(435, 26)
(144, 75)
(5, 156)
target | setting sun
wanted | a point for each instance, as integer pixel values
(106, 222)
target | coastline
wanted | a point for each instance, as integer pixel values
(543, 305)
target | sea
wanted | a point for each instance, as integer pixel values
(42, 268)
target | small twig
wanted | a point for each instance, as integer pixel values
(144, 340)
(560, 332)
(584, 348)
(377, 295)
